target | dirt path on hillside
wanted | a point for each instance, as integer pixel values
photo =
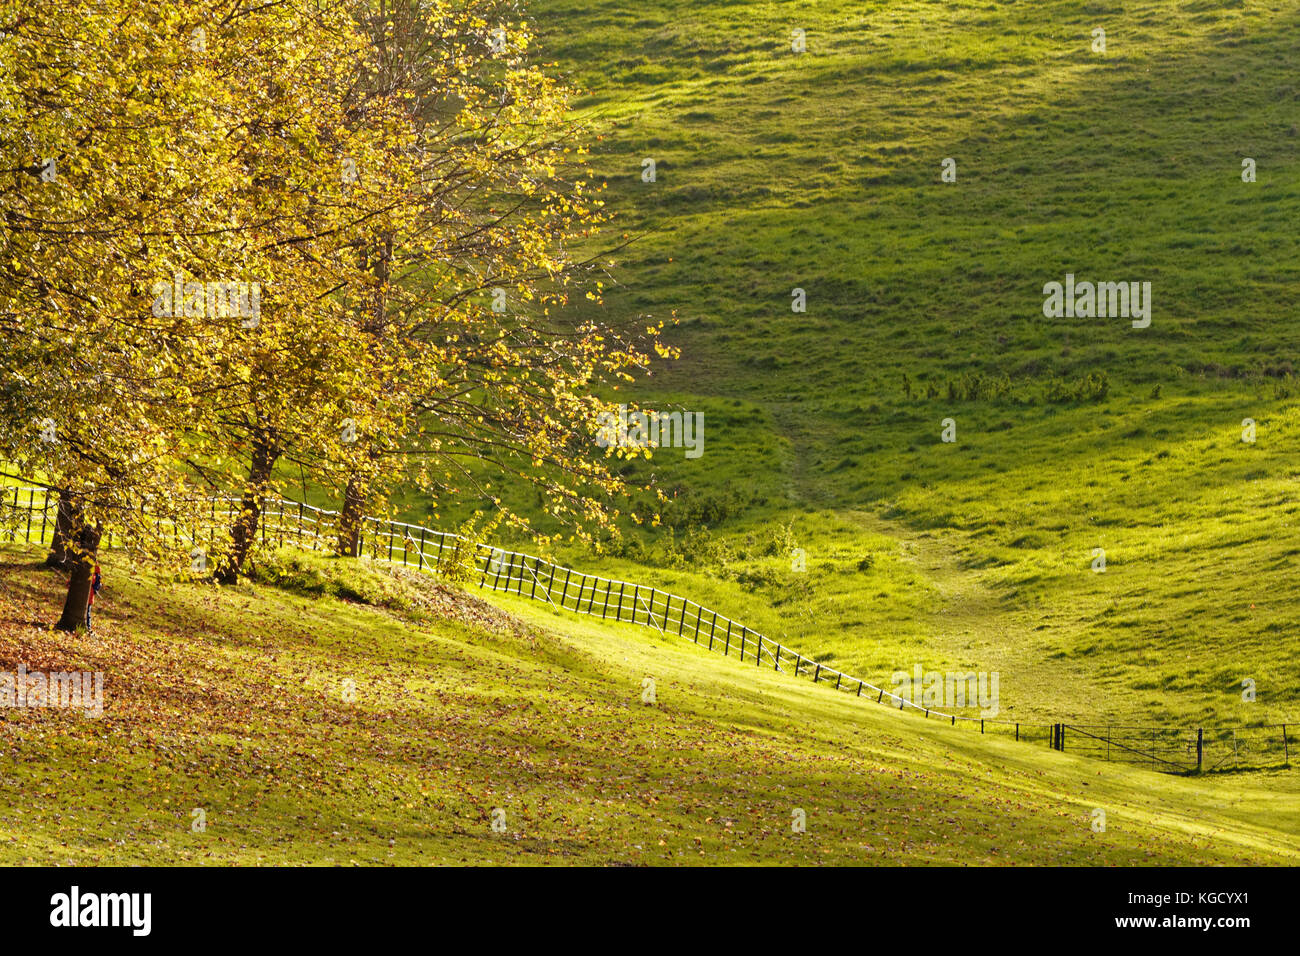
(974, 626)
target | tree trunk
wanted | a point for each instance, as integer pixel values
(350, 518)
(81, 551)
(244, 531)
(64, 522)
(374, 321)
(381, 265)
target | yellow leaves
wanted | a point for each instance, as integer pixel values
(236, 174)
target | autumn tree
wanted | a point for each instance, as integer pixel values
(102, 154)
(238, 236)
(465, 320)
(173, 239)
(319, 187)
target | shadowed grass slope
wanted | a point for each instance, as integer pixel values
(320, 729)
(821, 171)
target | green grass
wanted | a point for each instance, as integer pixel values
(822, 432)
(822, 171)
(461, 707)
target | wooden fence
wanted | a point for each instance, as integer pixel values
(27, 515)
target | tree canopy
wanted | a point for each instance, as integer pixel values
(337, 235)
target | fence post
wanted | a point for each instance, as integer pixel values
(699, 621)
(565, 592)
(981, 725)
(1286, 750)
(726, 650)
(817, 673)
(1199, 732)
(532, 595)
(743, 631)
(758, 655)
(713, 625)
(776, 666)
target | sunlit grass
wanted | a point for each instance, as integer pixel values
(821, 172)
(459, 710)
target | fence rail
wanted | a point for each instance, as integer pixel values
(292, 523)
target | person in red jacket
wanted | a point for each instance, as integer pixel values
(96, 582)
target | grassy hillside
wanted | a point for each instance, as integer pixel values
(461, 707)
(822, 171)
(335, 712)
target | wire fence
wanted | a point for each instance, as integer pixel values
(1184, 749)
(286, 523)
